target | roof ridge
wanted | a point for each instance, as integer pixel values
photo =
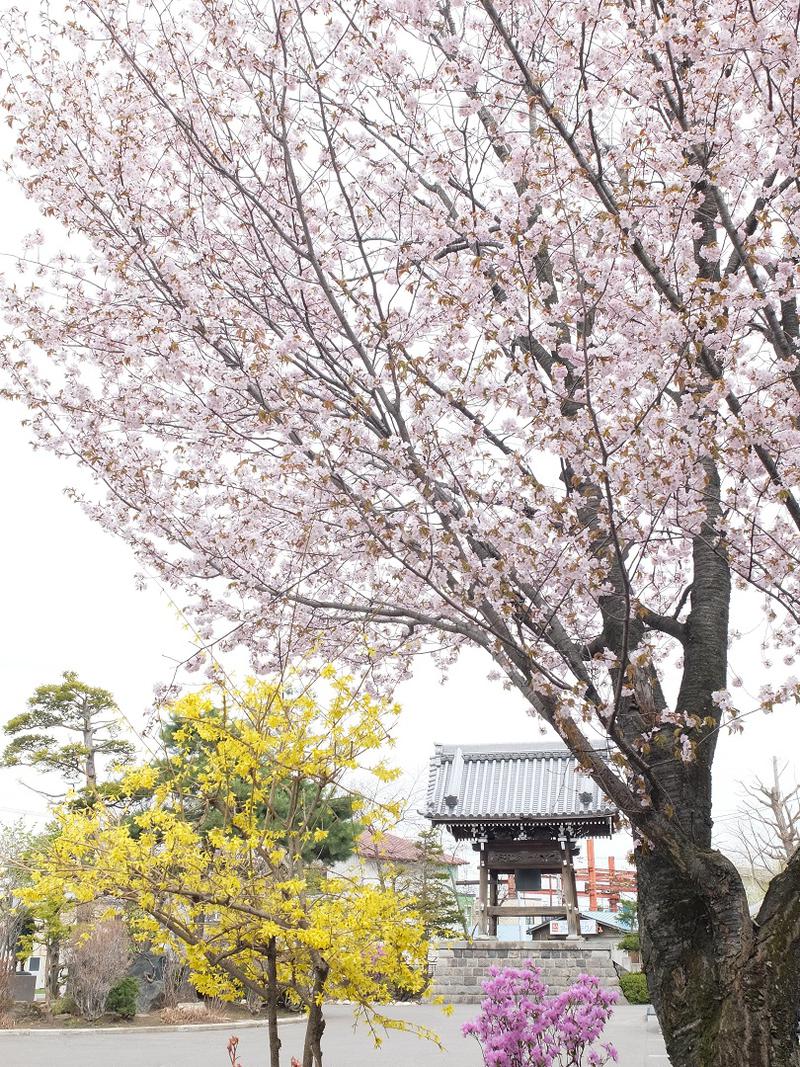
(511, 784)
(547, 748)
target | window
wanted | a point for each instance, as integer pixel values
(33, 964)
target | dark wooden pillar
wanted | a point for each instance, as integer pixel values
(492, 902)
(483, 892)
(569, 886)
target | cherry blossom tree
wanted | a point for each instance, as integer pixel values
(399, 325)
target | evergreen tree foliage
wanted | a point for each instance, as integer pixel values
(69, 729)
(319, 807)
(429, 880)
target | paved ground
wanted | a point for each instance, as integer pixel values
(637, 1039)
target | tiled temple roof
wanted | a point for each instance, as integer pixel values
(491, 786)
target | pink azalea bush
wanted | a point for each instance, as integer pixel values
(522, 1025)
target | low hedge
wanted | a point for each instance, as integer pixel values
(630, 942)
(64, 1006)
(123, 997)
(634, 987)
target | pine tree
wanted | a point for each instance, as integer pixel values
(430, 881)
(317, 807)
(69, 728)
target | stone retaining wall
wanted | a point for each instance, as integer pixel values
(458, 967)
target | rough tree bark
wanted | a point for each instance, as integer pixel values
(315, 1025)
(272, 1004)
(53, 971)
(725, 986)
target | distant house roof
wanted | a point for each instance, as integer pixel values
(608, 918)
(394, 849)
(602, 918)
(479, 790)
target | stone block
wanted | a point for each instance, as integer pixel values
(459, 967)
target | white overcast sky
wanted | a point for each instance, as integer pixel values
(69, 602)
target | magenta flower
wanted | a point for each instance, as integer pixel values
(522, 1025)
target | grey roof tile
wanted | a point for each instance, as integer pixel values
(510, 782)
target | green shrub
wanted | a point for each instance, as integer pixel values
(122, 998)
(634, 986)
(630, 942)
(64, 1006)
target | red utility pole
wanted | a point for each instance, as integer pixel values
(590, 862)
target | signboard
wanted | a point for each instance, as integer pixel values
(514, 855)
(560, 927)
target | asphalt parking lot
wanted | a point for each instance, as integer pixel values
(636, 1037)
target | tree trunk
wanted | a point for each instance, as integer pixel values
(315, 1027)
(725, 991)
(53, 973)
(90, 766)
(725, 986)
(272, 1004)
